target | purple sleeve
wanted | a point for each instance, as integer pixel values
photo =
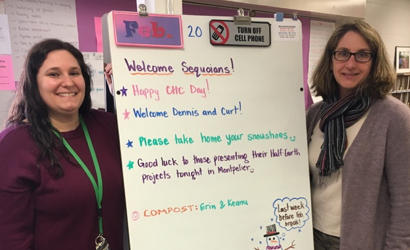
(18, 176)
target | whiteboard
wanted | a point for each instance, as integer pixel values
(214, 161)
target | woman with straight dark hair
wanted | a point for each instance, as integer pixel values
(61, 181)
(359, 146)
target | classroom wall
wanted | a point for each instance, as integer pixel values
(389, 17)
(87, 10)
(392, 19)
(314, 8)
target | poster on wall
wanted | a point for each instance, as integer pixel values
(213, 138)
(5, 47)
(33, 21)
(94, 60)
(320, 32)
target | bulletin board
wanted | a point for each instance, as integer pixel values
(213, 137)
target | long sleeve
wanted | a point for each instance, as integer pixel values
(39, 212)
(398, 179)
(375, 181)
(18, 179)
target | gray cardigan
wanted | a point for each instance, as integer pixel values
(376, 179)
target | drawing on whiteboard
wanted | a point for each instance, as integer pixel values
(291, 213)
(123, 91)
(126, 117)
(273, 239)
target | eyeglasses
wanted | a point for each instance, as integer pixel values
(360, 56)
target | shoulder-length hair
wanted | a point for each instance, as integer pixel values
(29, 108)
(378, 83)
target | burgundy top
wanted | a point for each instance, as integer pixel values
(40, 213)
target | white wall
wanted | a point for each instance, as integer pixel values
(326, 9)
(172, 7)
(392, 19)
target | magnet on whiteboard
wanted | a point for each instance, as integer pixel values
(142, 10)
(295, 16)
(279, 16)
(241, 19)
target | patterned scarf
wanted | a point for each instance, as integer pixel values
(337, 115)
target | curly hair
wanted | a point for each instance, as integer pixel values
(29, 108)
(378, 83)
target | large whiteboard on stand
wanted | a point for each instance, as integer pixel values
(231, 162)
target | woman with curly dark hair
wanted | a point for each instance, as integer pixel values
(61, 180)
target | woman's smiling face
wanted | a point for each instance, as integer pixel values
(61, 84)
(349, 74)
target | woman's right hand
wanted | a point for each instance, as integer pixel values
(108, 76)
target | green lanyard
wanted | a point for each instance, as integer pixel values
(97, 188)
